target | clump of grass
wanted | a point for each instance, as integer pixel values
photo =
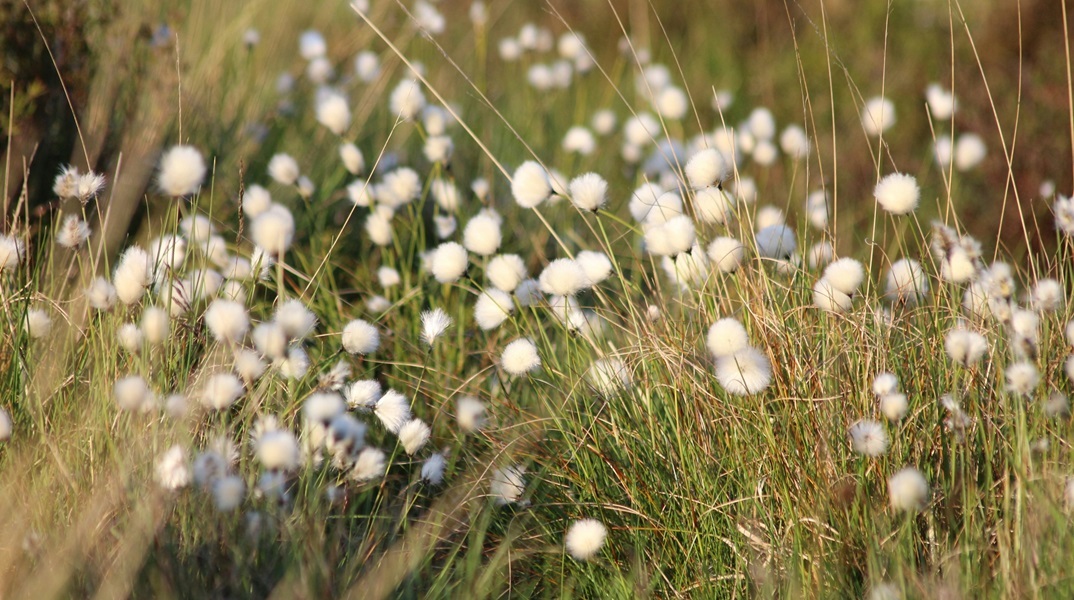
(574, 328)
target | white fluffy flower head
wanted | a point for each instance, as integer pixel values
(588, 192)
(520, 357)
(878, 115)
(433, 324)
(908, 490)
(897, 193)
(585, 538)
(563, 277)
(868, 438)
(530, 185)
(182, 170)
(745, 372)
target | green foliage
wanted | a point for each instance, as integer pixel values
(704, 493)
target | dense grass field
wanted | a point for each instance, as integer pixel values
(536, 299)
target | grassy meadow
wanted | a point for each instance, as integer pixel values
(536, 299)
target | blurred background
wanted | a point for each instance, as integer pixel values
(128, 67)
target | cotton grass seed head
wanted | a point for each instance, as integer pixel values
(438, 149)
(897, 193)
(12, 251)
(209, 466)
(726, 253)
(585, 538)
(827, 298)
(5, 426)
(131, 393)
(378, 225)
(181, 172)
(885, 383)
(1047, 295)
(448, 262)
(776, 242)
(794, 142)
(167, 252)
(588, 192)
(608, 376)
(248, 365)
(130, 338)
(596, 265)
(228, 493)
(221, 391)
(470, 413)
(432, 470)
(360, 337)
(89, 185)
(579, 140)
(672, 237)
(367, 66)
(768, 216)
(507, 484)
(942, 103)
(894, 406)
(371, 464)
(713, 205)
(506, 271)
(227, 320)
(332, 111)
(398, 187)
(321, 407)
(906, 282)
(393, 410)
(969, 150)
(528, 293)
(726, 337)
(877, 116)
(868, 438)
(352, 158)
(413, 435)
(563, 277)
(283, 168)
(311, 44)
(964, 346)
(273, 230)
(644, 200)
(270, 339)
(101, 294)
(1057, 405)
(433, 324)
(73, 232)
(172, 472)
(297, 321)
(707, 168)
(482, 235)
(407, 99)
(65, 185)
(38, 323)
(492, 308)
(529, 184)
(746, 372)
(345, 437)
(363, 393)
(1022, 378)
(133, 275)
(520, 357)
(294, 364)
(277, 450)
(907, 490)
(845, 275)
